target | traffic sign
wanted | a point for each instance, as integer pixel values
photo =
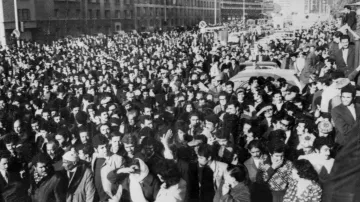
(202, 24)
(16, 33)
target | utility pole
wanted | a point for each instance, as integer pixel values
(16, 23)
(165, 11)
(16, 15)
(215, 9)
(244, 11)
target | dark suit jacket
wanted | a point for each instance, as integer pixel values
(341, 65)
(345, 124)
(350, 19)
(264, 58)
(234, 70)
(14, 190)
(343, 183)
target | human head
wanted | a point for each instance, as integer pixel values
(254, 148)
(304, 170)
(168, 172)
(130, 143)
(100, 143)
(345, 41)
(348, 95)
(204, 154)
(70, 160)
(323, 146)
(277, 150)
(4, 160)
(42, 164)
(237, 174)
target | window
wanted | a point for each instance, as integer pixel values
(90, 14)
(23, 14)
(56, 13)
(107, 14)
(117, 13)
(78, 13)
(97, 14)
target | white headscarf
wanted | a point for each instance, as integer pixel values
(136, 192)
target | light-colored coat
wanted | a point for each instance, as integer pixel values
(81, 186)
(219, 169)
(113, 162)
(175, 193)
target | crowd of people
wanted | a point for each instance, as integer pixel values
(156, 118)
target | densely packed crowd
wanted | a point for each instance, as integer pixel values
(156, 118)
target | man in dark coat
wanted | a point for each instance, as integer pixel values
(11, 188)
(343, 183)
(45, 184)
(350, 18)
(345, 57)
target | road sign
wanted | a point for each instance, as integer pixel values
(16, 33)
(202, 24)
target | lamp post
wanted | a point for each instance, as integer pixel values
(244, 11)
(16, 15)
(215, 7)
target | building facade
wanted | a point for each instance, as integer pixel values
(150, 14)
(46, 20)
(234, 9)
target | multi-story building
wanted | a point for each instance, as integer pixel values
(164, 13)
(234, 9)
(45, 20)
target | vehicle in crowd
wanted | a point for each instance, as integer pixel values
(242, 78)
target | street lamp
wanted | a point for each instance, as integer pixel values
(244, 11)
(215, 7)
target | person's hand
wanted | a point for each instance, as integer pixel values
(125, 170)
(276, 163)
(211, 140)
(358, 68)
(166, 138)
(226, 189)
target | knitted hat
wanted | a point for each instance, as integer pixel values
(71, 156)
(325, 127)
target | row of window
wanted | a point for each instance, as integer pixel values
(24, 14)
(108, 1)
(191, 3)
(92, 14)
(150, 11)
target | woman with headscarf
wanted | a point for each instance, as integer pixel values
(139, 185)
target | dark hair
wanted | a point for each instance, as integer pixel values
(129, 139)
(205, 150)
(306, 170)
(345, 37)
(86, 148)
(41, 158)
(239, 172)
(277, 147)
(255, 144)
(277, 135)
(347, 7)
(349, 89)
(229, 83)
(322, 141)
(169, 172)
(4, 154)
